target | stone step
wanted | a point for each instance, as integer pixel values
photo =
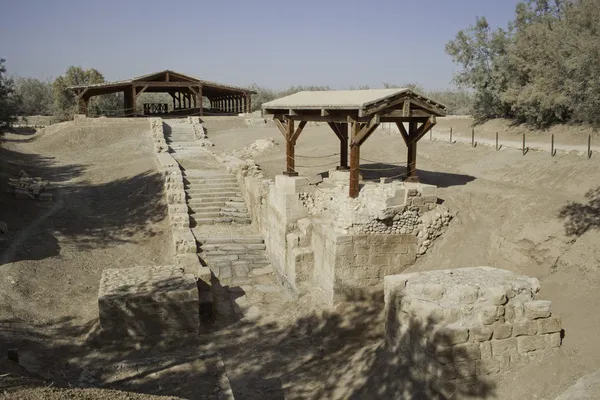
(217, 194)
(202, 190)
(241, 209)
(198, 201)
(239, 239)
(234, 214)
(205, 204)
(233, 247)
(203, 209)
(222, 220)
(206, 214)
(213, 186)
(208, 176)
(203, 181)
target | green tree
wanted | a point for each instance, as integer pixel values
(482, 54)
(36, 96)
(9, 101)
(65, 102)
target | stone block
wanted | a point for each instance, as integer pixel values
(549, 325)
(480, 333)
(180, 220)
(428, 190)
(291, 184)
(184, 241)
(492, 365)
(466, 351)
(531, 343)
(465, 369)
(485, 349)
(524, 327)
(167, 161)
(488, 314)
(553, 340)
(451, 334)
(537, 309)
(495, 295)
(504, 347)
(145, 301)
(502, 330)
(177, 208)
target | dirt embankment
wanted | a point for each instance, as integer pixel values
(107, 212)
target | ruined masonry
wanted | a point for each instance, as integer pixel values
(456, 324)
(144, 301)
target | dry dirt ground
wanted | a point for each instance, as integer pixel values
(529, 214)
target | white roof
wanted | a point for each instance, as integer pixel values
(333, 99)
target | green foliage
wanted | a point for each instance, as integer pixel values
(36, 96)
(9, 101)
(65, 102)
(544, 70)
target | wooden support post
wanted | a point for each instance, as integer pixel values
(411, 162)
(200, 100)
(248, 103)
(242, 104)
(354, 162)
(343, 130)
(133, 97)
(290, 155)
(83, 105)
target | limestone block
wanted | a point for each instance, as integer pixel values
(531, 343)
(480, 333)
(549, 325)
(537, 309)
(466, 351)
(177, 208)
(143, 301)
(175, 196)
(184, 241)
(181, 220)
(166, 161)
(502, 330)
(524, 327)
(504, 346)
(174, 185)
(188, 262)
(292, 184)
(553, 340)
(451, 334)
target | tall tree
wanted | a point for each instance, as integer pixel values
(36, 96)
(9, 102)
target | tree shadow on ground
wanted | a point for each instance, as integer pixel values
(81, 214)
(325, 354)
(581, 217)
(440, 179)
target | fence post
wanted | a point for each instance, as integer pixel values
(473, 143)
(552, 151)
(431, 135)
(524, 148)
(497, 142)
(589, 151)
(450, 135)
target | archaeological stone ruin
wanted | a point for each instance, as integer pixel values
(456, 324)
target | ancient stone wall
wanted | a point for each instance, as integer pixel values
(317, 237)
(144, 301)
(458, 324)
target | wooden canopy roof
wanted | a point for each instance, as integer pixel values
(187, 91)
(361, 110)
(388, 104)
(163, 81)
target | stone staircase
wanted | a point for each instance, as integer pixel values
(213, 197)
(180, 136)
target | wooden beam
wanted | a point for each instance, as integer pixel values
(141, 90)
(423, 129)
(167, 76)
(200, 100)
(406, 109)
(365, 131)
(380, 106)
(281, 126)
(335, 128)
(428, 106)
(354, 162)
(403, 132)
(411, 159)
(133, 97)
(298, 131)
(80, 94)
(165, 84)
(290, 157)
(343, 130)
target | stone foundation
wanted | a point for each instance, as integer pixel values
(318, 237)
(459, 324)
(145, 301)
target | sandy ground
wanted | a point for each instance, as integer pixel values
(525, 213)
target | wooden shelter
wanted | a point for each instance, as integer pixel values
(363, 111)
(188, 94)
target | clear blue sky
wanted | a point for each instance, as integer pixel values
(275, 43)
